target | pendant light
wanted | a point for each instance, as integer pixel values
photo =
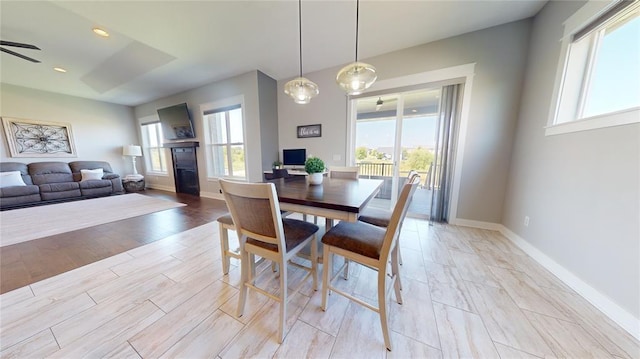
(301, 89)
(358, 76)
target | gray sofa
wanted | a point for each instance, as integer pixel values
(50, 182)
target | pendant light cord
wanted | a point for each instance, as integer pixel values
(300, 30)
(357, 17)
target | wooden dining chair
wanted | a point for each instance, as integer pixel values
(381, 217)
(344, 172)
(373, 247)
(263, 232)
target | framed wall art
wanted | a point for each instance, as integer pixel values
(310, 131)
(30, 138)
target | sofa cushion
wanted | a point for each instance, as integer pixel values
(96, 188)
(11, 179)
(17, 191)
(78, 166)
(60, 190)
(17, 166)
(50, 172)
(88, 175)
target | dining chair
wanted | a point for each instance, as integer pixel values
(263, 232)
(373, 247)
(381, 217)
(344, 172)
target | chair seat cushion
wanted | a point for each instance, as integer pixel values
(357, 237)
(226, 219)
(295, 232)
(376, 216)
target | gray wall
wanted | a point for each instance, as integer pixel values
(99, 129)
(245, 84)
(581, 190)
(267, 97)
(500, 55)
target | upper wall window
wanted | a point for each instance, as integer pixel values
(598, 78)
(224, 137)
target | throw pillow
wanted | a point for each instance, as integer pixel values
(10, 179)
(88, 175)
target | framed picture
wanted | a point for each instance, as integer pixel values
(29, 138)
(310, 131)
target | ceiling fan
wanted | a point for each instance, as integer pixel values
(18, 44)
(380, 102)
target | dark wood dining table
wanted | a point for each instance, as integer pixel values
(335, 198)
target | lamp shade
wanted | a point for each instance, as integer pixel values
(131, 150)
(356, 77)
(301, 90)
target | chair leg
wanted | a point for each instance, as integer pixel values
(399, 255)
(395, 273)
(314, 262)
(283, 301)
(395, 269)
(327, 268)
(224, 248)
(242, 298)
(382, 307)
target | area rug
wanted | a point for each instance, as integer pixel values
(25, 224)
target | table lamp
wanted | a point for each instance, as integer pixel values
(133, 151)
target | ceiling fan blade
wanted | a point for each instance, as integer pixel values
(18, 55)
(18, 44)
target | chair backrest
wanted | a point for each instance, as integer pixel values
(397, 216)
(344, 172)
(255, 211)
(411, 174)
(280, 173)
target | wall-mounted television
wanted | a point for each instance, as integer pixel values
(176, 122)
(294, 157)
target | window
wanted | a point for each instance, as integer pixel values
(598, 86)
(155, 159)
(224, 127)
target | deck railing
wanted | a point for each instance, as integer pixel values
(384, 171)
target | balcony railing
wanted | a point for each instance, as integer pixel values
(384, 171)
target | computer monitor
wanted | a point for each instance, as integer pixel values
(294, 157)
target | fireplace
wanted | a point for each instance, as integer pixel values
(185, 166)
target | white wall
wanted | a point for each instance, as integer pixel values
(246, 85)
(99, 129)
(499, 53)
(581, 190)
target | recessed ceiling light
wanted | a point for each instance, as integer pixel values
(100, 32)
(59, 69)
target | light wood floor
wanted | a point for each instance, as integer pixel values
(467, 293)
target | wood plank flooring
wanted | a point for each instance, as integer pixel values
(467, 293)
(25, 263)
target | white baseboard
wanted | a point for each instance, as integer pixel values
(476, 224)
(212, 195)
(612, 310)
(160, 187)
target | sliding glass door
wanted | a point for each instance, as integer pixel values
(395, 133)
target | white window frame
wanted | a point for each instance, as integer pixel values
(225, 103)
(147, 149)
(568, 95)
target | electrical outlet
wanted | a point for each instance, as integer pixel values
(526, 221)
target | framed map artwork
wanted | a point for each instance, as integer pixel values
(29, 138)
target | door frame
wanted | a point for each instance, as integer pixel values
(463, 73)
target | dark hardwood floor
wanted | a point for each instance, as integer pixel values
(29, 262)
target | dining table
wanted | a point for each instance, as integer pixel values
(334, 199)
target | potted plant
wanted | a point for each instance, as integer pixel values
(314, 167)
(276, 164)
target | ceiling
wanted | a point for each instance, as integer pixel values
(159, 48)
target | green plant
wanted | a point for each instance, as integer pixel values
(276, 164)
(314, 165)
